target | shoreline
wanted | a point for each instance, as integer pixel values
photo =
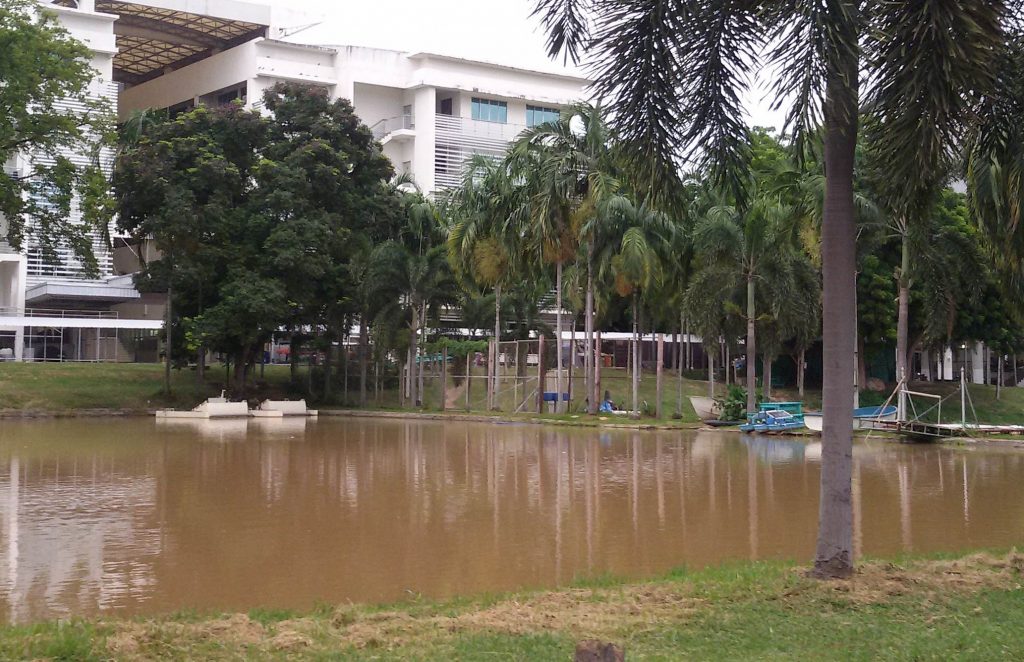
(918, 607)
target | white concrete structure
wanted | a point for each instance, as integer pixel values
(429, 111)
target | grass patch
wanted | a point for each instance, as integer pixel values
(916, 609)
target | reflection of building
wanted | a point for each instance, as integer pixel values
(430, 112)
(73, 564)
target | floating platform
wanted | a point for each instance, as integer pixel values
(284, 408)
(212, 408)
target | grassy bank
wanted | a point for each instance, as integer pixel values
(965, 608)
(70, 387)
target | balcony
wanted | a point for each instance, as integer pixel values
(461, 138)
(397, 129)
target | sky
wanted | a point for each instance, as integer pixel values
(501, 32)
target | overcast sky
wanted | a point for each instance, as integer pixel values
(501, 32)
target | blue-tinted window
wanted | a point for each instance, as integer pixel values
(489, 110)
(536, 115)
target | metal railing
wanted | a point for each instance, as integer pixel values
(387, 126)
(56, 312)
(460, 138)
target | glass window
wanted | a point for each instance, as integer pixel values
(537, 115)
(489, 110)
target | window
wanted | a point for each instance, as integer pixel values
(445, 106)
(489, 110)
(536, 115)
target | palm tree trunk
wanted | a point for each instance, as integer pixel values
(834, 549)
(660, 375)
(751, 349)
(420, 401)
(636, 359)
(999, 378)
(903, 323)
(167, 346)
(411, 370)
(711, 372)
(558, 339)
(493, 395)
(364, 344)
(679, 366)
(593, 353)
(800, 373)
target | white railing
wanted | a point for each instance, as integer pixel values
(386, 126)
(59, 313)
(461, 138)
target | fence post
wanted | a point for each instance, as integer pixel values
(540, 374)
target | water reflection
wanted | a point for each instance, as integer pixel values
(132, 516)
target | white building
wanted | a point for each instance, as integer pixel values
(430, 112)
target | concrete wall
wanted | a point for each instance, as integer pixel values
(214, 73)
(375, 102)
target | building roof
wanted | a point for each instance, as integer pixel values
(156, 36)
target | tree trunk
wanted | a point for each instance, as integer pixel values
(834, 549)
(636, 358)
(328, 365)
(679, 367)
(364, 345)
(903, 324)
(661, 359)
(167, 341)
(751, 349)
(800, 373)
(558, 339)
(597, 368)
(593, 353)
(711, 371)
(293, 357)
(493, 394)
(421, 400)
(410, 370)
(1016, 382)
(999, 378)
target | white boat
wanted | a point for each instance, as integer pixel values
(863, 417)
(705, 407)
(212, 408)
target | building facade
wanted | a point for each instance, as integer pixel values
(430, 113)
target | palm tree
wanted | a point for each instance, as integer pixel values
(569, 167)
(748, 248)
(675, 74)
(633, 242)
(484, 239)
(412, 274)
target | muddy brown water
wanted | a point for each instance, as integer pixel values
(138, 517)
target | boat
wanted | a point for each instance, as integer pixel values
(704, 407)
(212, 408)
(715, 423)
(863, 417)
(772, 420)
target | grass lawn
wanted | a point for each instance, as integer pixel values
(66, 387)
(915, 609)
(63, 387)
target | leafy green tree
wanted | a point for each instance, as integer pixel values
(48, 114)
(253, 214)
(570, 167)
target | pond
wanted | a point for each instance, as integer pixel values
(134, 516)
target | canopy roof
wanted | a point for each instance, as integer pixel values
(153, 39)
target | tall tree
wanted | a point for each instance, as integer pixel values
(49, 114)
(675, 73)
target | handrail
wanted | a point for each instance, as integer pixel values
(56, 312)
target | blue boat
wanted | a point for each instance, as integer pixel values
(772, 420)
